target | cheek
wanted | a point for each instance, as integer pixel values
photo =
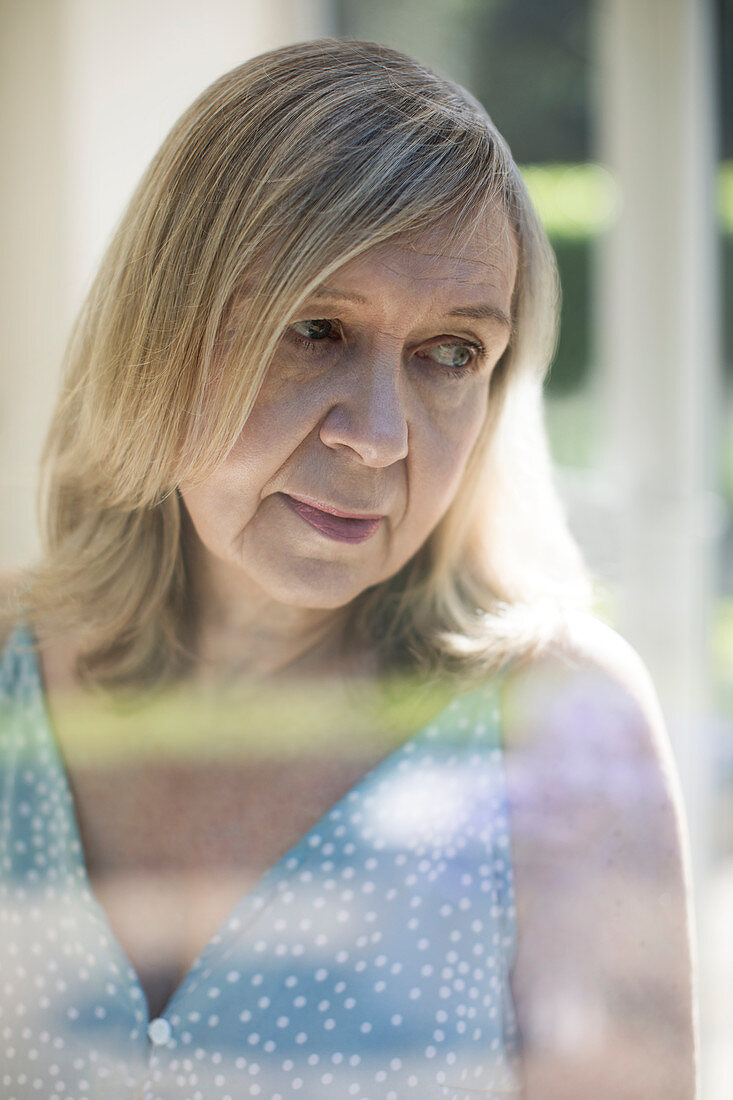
(228, 500)
(281, 418)
(452, 440)
(215, 509)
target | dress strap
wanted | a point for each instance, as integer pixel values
(18, 663)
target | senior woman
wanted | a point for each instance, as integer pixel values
(308, 596)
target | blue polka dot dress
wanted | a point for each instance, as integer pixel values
(372, 961)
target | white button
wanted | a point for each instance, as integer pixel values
(159, 1031)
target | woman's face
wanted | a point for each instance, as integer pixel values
(360, 435)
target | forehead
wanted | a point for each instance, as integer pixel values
(482, 256)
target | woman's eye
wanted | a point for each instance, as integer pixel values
(319, 329)
(452, 356)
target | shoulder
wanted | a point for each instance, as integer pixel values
(599, 860)
(588, 689)
(57, 652)
(592, 781)
(9, 583)
(588, 650)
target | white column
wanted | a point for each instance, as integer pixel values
(32, 200)
(89, 90)
(659, 356)
(132, 67)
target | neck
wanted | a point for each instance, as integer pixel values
(241, 632)
(267, 646)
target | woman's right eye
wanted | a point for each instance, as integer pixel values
(314, 330)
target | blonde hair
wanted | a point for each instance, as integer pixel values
(281, 171)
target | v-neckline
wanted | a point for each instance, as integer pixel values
(254, 898)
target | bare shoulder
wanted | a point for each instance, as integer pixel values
(591, 648)
(583, 729)
(601, 876)
(589, 689)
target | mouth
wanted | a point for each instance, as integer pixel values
(334, 523)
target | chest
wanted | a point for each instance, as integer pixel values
(171, 849)
(389, 923)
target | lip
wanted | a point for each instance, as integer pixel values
(329, 508)
(333, 523)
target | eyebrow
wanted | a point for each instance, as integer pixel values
(482, 311)
(324, 291)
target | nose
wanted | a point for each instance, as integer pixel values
(369, 417)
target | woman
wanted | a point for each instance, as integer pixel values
(303, 692)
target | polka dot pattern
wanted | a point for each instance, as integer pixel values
(371, 961)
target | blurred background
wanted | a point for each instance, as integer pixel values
(620, 113)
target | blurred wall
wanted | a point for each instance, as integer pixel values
(88, 89)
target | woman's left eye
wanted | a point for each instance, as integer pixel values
(453, 356)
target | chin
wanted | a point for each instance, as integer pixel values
(317, 586)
